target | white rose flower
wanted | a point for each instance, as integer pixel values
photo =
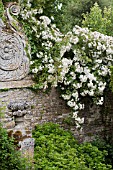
(46, 20)
(100, 102)
(76, 107)
(35, 70)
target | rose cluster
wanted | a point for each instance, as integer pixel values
(78, 62)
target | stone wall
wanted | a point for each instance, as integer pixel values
(25, 108)
(107, 116)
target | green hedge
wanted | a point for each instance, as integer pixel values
(57, 149)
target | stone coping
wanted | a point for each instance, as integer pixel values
(26, 82)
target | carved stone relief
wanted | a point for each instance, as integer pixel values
(14, 63)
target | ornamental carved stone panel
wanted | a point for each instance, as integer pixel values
(14, 62)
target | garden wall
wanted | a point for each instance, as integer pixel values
(25, 108)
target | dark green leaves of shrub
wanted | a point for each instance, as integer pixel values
(9, 157)
(57, 149)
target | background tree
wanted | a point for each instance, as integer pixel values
(72, 12)
(98, 20)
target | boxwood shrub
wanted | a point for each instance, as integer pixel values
(56, 149)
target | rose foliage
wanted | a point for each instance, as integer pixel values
(77, 62)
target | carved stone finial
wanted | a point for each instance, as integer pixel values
(14, 9)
